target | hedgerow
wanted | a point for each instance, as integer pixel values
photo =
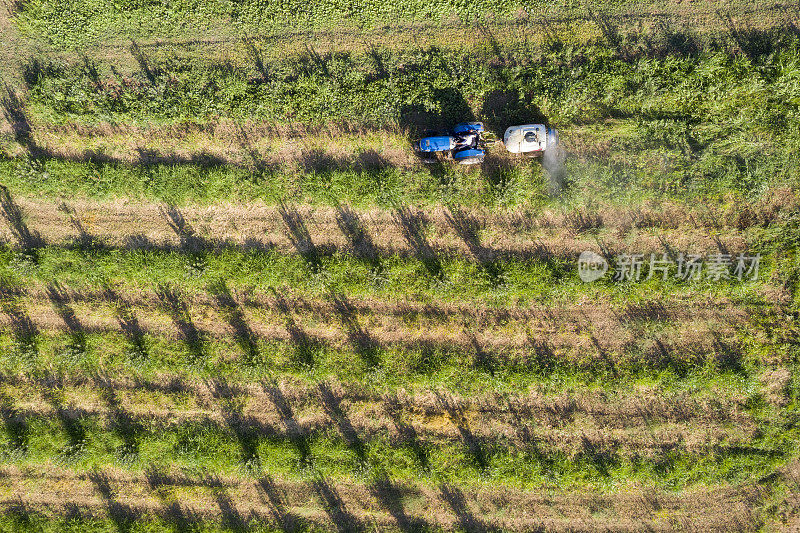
(697, 123)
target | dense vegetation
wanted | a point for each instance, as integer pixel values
(699, 122)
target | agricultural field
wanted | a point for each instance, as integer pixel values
(232, 298)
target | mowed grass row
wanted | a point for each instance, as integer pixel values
(659, 359)
(634, 338)
(569, 458)
(194, 290)
(425, 277)
(557, 234)
(313, 177)
(136, 503)
(119, 441)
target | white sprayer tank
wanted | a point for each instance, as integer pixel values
(526, 139)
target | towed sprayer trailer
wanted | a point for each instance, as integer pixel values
(530, 139)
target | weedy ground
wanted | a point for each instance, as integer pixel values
(232, 299)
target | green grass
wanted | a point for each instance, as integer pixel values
(103, 20)
(421, 368)
(21, 519)
(695, 118)
(196, 183)
(87, 443)
(521, 282)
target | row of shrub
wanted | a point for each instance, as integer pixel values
(710, 120)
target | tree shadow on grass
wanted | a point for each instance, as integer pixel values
(29, 240)
(510, 107)
(332, 406)
(286, 520)
(413, 225)
(600, 458)
(23, 329)
(305, 346)
(335, 507)
(121, 422)
(408, 435)
(468, 228)
(71, 420)
(472, 443)
(122, 515)
(543, 358)
(369, 161)
(144, 62)
(233, 314)
(232, 517)
(190, 241)
(299, 236)
(248, 431)
(297, 435)
(390, 497)
(447, 107)
(257, 58)
(467, 521)
(754, 43)
(319, 160)
(172, 302)
(483, 360)
(359, 338)
(128, 323)
(357, 235)
(21, 515)
(182, 520)
(84, 240)
(15, 423)
(17, 117)
(728, 354)
(60, 300)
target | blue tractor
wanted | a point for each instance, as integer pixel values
(465, 143)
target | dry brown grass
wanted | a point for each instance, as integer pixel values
(776, 386)
(381, 505)
(638, 423)
(575, 335)
(516, 235)
(171, 392)
(249, 144)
